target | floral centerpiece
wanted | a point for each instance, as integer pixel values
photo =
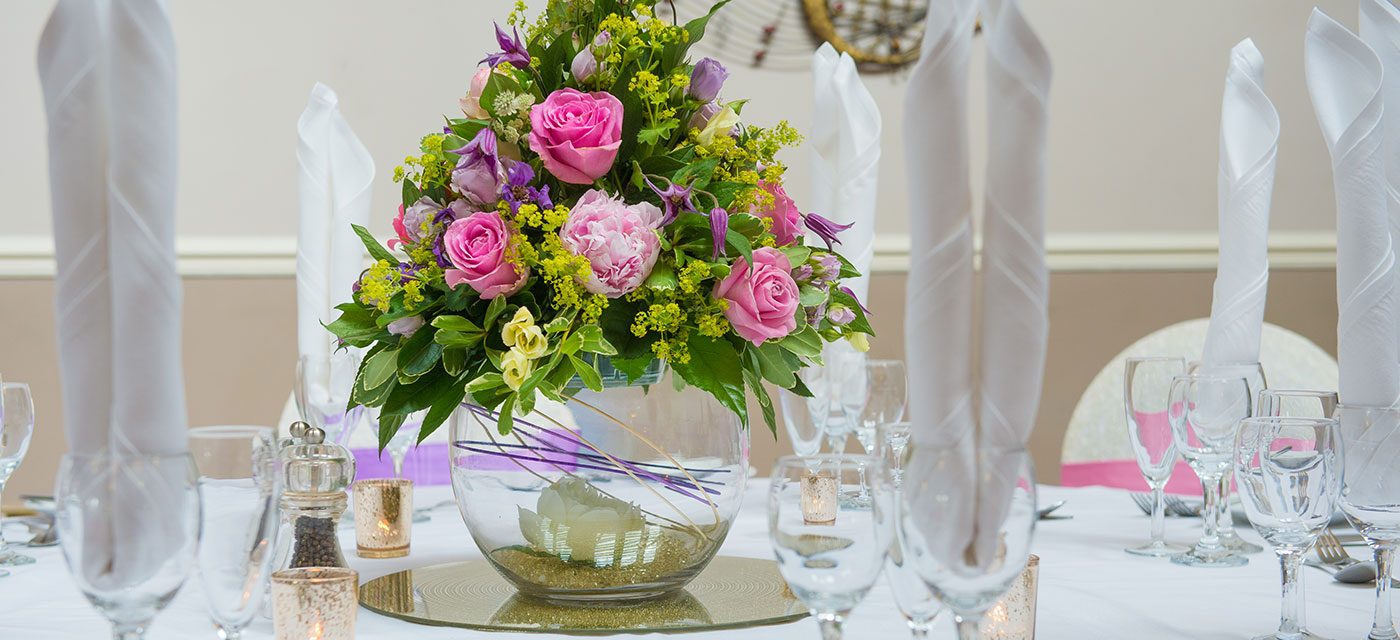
(597, 207)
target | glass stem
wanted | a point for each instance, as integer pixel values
(1225, 525)
(1291, 617)
(5, 552)
(1210, 539)
(129, 631)
(1159, 514)
(1383, 626)
(830, 624)
(398, 458)
(226, 633)
(967, 627)
(919, 630)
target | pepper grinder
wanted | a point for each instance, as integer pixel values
(316, 475)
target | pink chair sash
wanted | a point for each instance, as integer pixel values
(1124, 474)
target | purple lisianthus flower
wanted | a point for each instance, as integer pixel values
(478, 174)
(825, 229)
(585, 64)
(704, 114)
(512, 50)
(814, 314)
(840, 315)
(719, 228)
(852, 294)
(803, 273)
(675, 200)
(406, 326)
(706, 79)
(518, 189)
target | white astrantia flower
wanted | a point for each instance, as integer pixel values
(577, 523)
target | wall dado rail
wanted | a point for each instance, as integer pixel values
(31, 257)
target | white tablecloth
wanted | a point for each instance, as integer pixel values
(1089, 588)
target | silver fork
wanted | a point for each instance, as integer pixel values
(1330, 551)
(1179, 507)
(1143, 501)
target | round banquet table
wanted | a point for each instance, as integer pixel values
(1089, 588)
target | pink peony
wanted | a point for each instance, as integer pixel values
(784, 214)
(618, 239)
(577, 134)
(762, 299)
(471, 103)
(476, 246)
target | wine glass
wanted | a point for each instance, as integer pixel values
(1146, 383)
(402, 439)
(966, 519)
(885, 395)
(16, 429)
(1290, 475)
(1371, 494)
(802, 417)
(845, 387)
(830, 554)
(1296, 403)
(322, 392)
(1225, 523)
(1204, 410)
(129, 526)
(916, 603)
(238, 479)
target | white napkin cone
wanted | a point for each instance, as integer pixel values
(1379, 28)
(1249, 130)
(1015, 279)
(1344, 78)
(108, 73)
(846, 159)
(938, 306)
(334, 185)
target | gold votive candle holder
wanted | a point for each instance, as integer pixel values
(1013, 617)
(821, 495)
(314, 603)
(383, 517)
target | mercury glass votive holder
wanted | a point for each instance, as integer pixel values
(821, 495)
(1013, 617)
(314, 603)
(383, 517)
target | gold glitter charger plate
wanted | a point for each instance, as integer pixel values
(730, 593)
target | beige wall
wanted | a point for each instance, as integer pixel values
(239, 337)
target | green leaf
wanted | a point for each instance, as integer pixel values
(587, 373)
(811, 296)
(355, 325)
(388, 427)
(674, 53)
(411, 193)
(593, 341)
(633, 367)
(772, 365)
(765, 402)
(419, 354)
(455, 323)
(715, 367)
(380, 368)
(506, 422)
(697, 174)
(861, 324)
(739, 243)
(616, 323)
(803, 343)
(662, 278)
(558, 325)
(454, 360)
(406, 399)
(633, 115)
(559, 54)
(797, 255)
(494, 310)
(376, 250)
(466, 128)
(442, 409)
(497, 84)
(662, 131)
(525, 400)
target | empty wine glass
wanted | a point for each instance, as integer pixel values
(1253, 372)
(1289, 471)
(1296, 403)
(1146, 384)
(966, 519)
(322, 393)
(16, 429)
(403, 438)
(1371, 494)
(129, 527)
(829, 554)
(1204, 410)
(845, 387)
(885, 395)
(802, 417)
(238, 480)
(916, 603)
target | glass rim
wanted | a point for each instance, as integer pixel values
(315, 575)
(1370, 408)
(229, 430)
(795, 460)
(14, 385)
(381, 482)
(1154, 359)
(1314, 393)
(1293, 420)
(1217, 377)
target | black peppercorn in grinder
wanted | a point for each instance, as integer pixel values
(316, 475)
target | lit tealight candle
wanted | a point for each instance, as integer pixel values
(820, 497)
(315, 603)
(1013, 617)
(383, 517)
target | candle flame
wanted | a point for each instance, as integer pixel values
(384, 526)
(317, 631)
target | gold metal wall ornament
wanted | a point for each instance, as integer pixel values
(877, 34)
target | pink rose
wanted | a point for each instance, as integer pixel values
(763, 299)
(476, 246)
(471, 103)
(784, 214)
(577, 134)
(618, 239)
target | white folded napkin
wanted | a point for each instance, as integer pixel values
(334, 185)
(1379, 28)
(1344, 78)
(109, 81)
(845, 139)
(1249, 129)
(938, 305)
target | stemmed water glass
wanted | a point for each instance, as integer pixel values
(1289, 471)
(322, 392)
(1204, 410)
(829, 553)
(238, 479)
(1371, 494)
(1296, 403)
(802, 416)
(1146, 384)
(129, 526)
(966, 520)
(16, 428)
(1253, 373)
(886, 393)
(916, 603)
(844, 386)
